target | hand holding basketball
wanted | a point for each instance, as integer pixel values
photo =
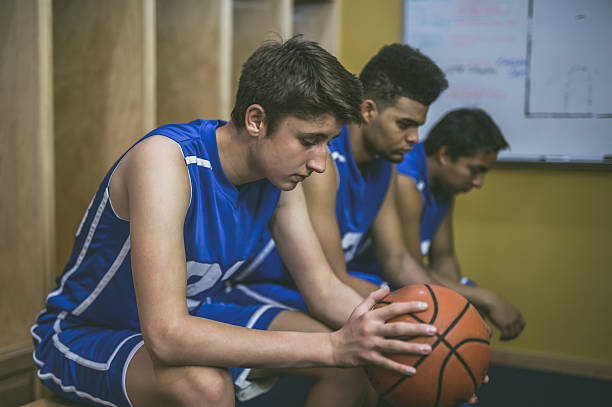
(458, 362)
(367, 336)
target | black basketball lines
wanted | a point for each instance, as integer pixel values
(440, 338)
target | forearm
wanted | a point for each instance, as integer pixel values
(198, 341)
(362, 287)
(446, 266)
(401, 270)
(334, 304)
(476, 295)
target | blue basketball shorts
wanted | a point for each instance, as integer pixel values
(88, 363)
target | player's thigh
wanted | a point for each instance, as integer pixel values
(152, 384)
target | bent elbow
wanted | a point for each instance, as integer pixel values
(161, 343)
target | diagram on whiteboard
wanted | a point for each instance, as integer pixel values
(569, 64)
(541, 68)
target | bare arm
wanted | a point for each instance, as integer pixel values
(442, 258)
(443, 261)
(399, 265)
(320, 191)
(155, 192)
(328, 298)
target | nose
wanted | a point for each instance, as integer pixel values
(318, 158)
(412, 135)
(478, 181)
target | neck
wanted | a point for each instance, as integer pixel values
(359, 147)
(235, 155)
(433, 171)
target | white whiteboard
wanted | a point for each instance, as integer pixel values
(541, 68)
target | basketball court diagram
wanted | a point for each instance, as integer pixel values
(569, 64)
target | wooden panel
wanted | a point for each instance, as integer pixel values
(188, 60)
(256, 21)
(24, 215)
(98, 79)
(17, 389)
(16, 375)
(318, 21)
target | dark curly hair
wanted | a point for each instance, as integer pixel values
(296, 78)
(399, 70)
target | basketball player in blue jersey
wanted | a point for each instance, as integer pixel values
(357, 193)
(453, 159)
(141, 317)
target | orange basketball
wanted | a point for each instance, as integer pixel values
(459, 358)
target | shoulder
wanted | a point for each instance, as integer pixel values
(409, 192)
(156, 162)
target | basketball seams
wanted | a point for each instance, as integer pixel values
(434, 299)
(443, 360)
(434, 345)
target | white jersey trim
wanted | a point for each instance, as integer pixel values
(72, 389)
(192, 159)
(77, 358)
(105, 280)
(260, 298)
(90, 233)
(257, 261)
(125, 368)
(248, 389)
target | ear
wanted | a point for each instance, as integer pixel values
(442, 155)
(369, 110)
(254, 120)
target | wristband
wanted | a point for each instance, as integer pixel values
(467, 281)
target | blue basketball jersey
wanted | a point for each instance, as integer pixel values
(221, 229)
(435, 208)
(358, 200)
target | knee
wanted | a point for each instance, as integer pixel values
(208, 387)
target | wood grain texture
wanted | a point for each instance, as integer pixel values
(188, 60)
(23, 246)
(256, 21)
(318, 21)
(98, 82)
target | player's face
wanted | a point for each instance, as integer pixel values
(465, 173)
(297, 148)
(393, 131)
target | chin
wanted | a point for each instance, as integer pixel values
(285, 186)
(395, 159)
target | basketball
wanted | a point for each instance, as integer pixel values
(459, 357)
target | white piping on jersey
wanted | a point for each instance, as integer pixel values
(192, 159)
(124, 372)
(77, 358)
(232, 270)
(38, 338)
(337, 170)
(366, 243)
(421, 185)
(90, 233)
(257, 261)
(85, 216)
(72, 389)
(425, 245)
(105, 280)
(337, 156)
(249, 389)
(261, 298)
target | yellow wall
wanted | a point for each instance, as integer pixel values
(542, 237)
